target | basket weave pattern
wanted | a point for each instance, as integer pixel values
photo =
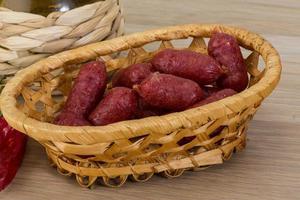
(26, 38)
(138, 148)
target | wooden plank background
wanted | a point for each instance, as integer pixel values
(268, 169)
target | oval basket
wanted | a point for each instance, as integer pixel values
(26, 38)
(138, 148)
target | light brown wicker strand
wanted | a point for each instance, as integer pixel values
(27, 38)
(146, 146)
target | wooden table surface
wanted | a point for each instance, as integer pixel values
(269, 168)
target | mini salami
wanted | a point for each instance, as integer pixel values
(71, 119)
(12, 149)
(169, 92)
(132, 75)
(188, 64)
(146, 110)
(119, 104)
(210, 90)
(225, 49)
(88, 89)
(215, 97)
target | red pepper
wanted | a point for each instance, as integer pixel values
(12, 148)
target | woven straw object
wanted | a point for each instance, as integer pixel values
(138, 148)
(26, 38)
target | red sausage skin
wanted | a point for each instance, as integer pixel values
(188, 64)
(215, 97)
(210, 90)
(71, 119)
(86, 92)
(118, 105)
(132, 75)
(169, 92)
(12, 149)
(88, 88)
(225, 49)
(146, 110)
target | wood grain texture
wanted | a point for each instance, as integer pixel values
(268, 169)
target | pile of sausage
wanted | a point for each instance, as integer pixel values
(174, 80)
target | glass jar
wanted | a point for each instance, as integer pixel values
(43, 7)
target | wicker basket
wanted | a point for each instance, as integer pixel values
(26, 38)
(138, 148)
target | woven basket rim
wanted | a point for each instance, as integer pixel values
(43, 131)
